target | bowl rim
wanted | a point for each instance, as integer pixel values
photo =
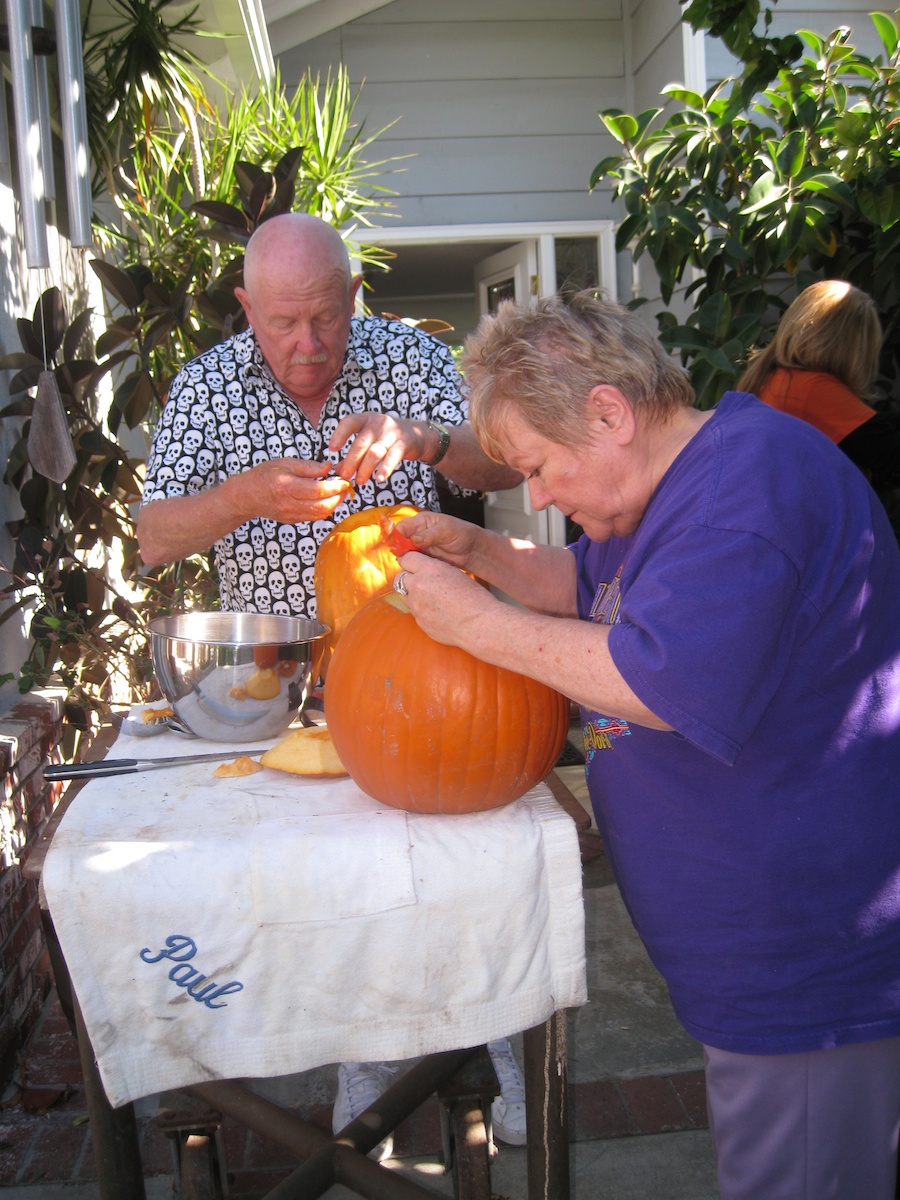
(317, 630)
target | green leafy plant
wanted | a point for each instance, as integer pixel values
(86, 618)
(782, 174)
(189, 185)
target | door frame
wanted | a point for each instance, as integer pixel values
(543, 233)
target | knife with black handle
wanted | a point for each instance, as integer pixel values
(129, 766)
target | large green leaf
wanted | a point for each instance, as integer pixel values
(116, 282)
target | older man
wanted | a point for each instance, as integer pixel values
(261, 435)
(256, 447)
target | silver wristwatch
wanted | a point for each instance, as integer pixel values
(443, 446)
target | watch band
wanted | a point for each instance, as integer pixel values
(443, 446)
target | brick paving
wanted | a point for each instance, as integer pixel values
(45, 1135)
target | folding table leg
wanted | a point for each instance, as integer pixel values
(113, 1130)
(465, 1104)
(546, 1110)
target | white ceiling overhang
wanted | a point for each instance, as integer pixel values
(300, 21)
(238, 50)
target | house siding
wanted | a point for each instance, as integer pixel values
(495, 103)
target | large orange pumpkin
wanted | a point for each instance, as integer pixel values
(354, 563)
(430, 728)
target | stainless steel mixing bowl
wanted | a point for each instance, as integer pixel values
(236, 677)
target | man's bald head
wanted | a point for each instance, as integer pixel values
(295, 245)
(298, 296)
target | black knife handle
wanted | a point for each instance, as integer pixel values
(91, 770)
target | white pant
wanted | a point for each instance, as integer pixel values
(816, 1126)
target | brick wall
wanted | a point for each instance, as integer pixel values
(30, 733)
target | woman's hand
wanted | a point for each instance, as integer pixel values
(440, 536)
(446, 603)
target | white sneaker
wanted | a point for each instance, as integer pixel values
(508, 1110)
(359, 1085)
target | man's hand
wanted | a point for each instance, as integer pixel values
(380, 443)
(286, 490)
(289, 490)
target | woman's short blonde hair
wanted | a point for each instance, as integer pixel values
(832, 327)
(542, 360)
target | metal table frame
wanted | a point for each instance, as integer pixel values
(463, 1079)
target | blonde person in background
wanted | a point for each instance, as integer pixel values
(821, 365)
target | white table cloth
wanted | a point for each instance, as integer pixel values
(257, 927)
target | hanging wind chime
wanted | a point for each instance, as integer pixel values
(28, 43)
(50, 447)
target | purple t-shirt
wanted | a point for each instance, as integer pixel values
(757, 846)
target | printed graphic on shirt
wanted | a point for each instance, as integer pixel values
(600, 732)
(226, 414)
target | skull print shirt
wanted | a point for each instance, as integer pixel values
(226, 414)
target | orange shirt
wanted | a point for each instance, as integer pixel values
(817, 398)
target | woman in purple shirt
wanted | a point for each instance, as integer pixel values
(728, 624)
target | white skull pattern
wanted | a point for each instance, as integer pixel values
(287, 536)
(244, 554)
(306, 548)
(290, 564)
